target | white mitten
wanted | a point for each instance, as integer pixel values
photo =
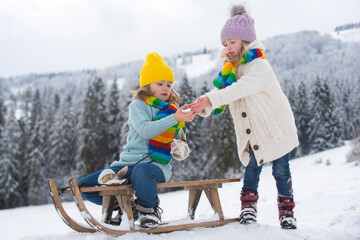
(179, 148)
(108, 177)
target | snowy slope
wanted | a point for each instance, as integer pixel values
(200, 64)
(327, 198)
(350, 35)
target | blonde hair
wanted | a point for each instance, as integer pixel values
(145, 91)
(236, 58)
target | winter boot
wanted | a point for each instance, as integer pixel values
(286, 213)
(149, 217)
(248, 207)
(116, 221)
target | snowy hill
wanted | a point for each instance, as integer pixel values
(298, 56)
(327, 199)
(350, 35)
(347, 33)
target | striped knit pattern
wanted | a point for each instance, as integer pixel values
(227, 75)
(162, 154)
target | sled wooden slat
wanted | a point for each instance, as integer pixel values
(159, 185)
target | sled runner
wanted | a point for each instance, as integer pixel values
(60, 210)
(123, 194)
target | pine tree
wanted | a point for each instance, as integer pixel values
(2, 113)
(325, 124)
(114, 122)
(63, 143)
(188, 169)
(224, 157)
(354, 155)
(347, 115)
(125, 100)
(50, 108)
(35, 165)
(10, 165)
(25, 126)
(291, 95)
(94, 138)
(303, 117)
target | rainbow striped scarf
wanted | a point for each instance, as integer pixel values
(227, 75)
(162, 154)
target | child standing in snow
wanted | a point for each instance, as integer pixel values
(264, 123)
(154, 120)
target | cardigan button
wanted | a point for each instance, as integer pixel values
(255, 147)
(248, 131)
(244, 114)
(261, 161)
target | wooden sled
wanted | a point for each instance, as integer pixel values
(55, 194)
(123, 194)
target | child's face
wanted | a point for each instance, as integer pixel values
(233, 47)
(161, 89)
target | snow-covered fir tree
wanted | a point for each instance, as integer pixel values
(114, 122)
(206, 140)
(223, 158)
(2, 112)
(50, 107)
(25, 126)
(94, 138)
(63, 143)
(10, 163)
(303, 116)
(35, 161)
(354, 155)
(125, 100)
(188, 169)
(36, 165)
(325, 125)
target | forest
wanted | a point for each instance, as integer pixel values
(77, 129)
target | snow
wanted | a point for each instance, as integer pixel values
(200, 64)
(350, 35)
(327, 197)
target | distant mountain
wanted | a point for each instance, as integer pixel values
(294, 57)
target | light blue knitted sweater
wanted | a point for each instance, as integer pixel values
(141, 129)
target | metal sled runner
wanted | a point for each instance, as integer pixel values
(123, 194)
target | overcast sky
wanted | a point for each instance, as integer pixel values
(38, 36)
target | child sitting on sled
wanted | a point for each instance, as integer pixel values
(154, 121)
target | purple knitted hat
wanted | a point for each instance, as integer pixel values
(240, 25)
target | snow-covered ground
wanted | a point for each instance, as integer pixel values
(327, 196)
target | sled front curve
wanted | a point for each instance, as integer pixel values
(163, 228)
(61, 211)
(86, 214)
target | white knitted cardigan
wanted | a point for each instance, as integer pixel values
(262, 115)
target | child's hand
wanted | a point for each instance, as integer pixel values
(181, 116)
(200, 104)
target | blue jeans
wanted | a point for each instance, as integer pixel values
(144, 179)
(280, 171)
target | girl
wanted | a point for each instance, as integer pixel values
(155, 100)
(264, 123)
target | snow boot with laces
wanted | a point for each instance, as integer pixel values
(149, 217)
(286, 213)
(248, 207)
(116, 221)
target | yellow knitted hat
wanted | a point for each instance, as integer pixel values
(155, 70)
